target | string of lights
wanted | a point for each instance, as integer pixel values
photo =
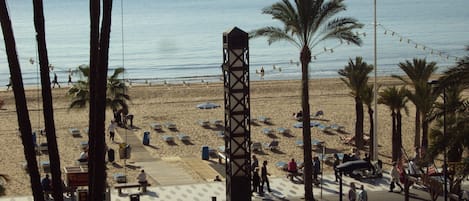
(417, 45)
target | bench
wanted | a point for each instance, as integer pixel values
(119, 187)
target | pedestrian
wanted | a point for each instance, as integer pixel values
(255, 163)
(69, 77)
(316, 169)
(264, 177)
(292, 169)
(9, 84)
(362, 195)
(142, 180)
(217, 178)
(46, 186)
(336, 163)
(256, 181)
(395, 175)
(352, 193)
(112, 130)
(55, 81)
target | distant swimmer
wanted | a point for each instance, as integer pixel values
(262, 72)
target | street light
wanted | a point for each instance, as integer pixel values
(435, 82)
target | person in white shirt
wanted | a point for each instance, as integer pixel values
(362, 195)
(112, 130)
(142, 180)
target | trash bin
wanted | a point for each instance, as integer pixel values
(124, 151)
(34, 138)
(146, 138)
(205, 152)
(110, 155)
(134, 197)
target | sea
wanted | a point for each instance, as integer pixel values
(175, 41)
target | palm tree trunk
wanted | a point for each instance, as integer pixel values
(24, 123)
(305, 58)
(424, 137)
(47, 102)
(99, 183)
(394, 136)
(94, 58)
(418, 122)
(359, 123)
(372, 136)
(399, 134)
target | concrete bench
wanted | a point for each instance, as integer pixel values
(119, 187)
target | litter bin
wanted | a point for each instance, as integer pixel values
(124, 151)
(205, 152)
(110, 155)
(146, 138)
(134, 197)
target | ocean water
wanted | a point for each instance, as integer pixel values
(181, 40)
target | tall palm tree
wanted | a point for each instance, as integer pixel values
(456, 75)
(306, 24)
(419, 72)
(396, 100)
(24, 122)
(367, 98)
(47, 101)
(99, 56)
(355, 76)
(116, 90)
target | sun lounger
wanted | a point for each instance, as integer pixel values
(168, 138)
(86, 130)
(155, 126)
(299, 143)
(281, 165)
(217, 122)
(170, 125)
(221, 134)
(323, 127)
(75, 132)
(45, 166)
(311, 124)
(271, 145)
(256, 146)
(203, 123)
(283, 131)
(337, 127)
(315, 142)
(267, 131)
(183, 137)
(43, 146)
(264, 119)
(84, 145)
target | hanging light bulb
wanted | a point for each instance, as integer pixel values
(416, 46)
(332, 50)
(392, 34)
(408, 40)
(385, 32)
(400, 40)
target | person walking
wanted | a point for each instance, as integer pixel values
(46, 187)
(255, 163)
(256, 181)
(336, 163)
(112, 130)
(264, 177)
(55, 81)
(352, 193)
(69, 77)
(316, 169)
(395, 178)
(362, 195)
(9, 84)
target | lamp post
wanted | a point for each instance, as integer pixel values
(445, 169)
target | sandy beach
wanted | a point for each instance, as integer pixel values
(277, 100)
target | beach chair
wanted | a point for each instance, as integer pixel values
(267, 131)
(264, 119)
(170, 125)
(281, 165)
(75, 132)
(217, 122)
(323, 127)
(283, 131)
(43, 147)
(168, 138)
(317, 143)
(156, 126)
(183, 137)
(221, 134)
(86, 130)
(273, 145)
(84, 145)
(337, 127)
(203, 123)
(256, 146)
(299, 143)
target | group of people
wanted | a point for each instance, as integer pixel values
(355, 194)
(258, 181)
(122, 117)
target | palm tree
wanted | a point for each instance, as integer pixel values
(458, 75)
(355, 76)
(116, 90)
(47, 101)
(396, 100)
(367, 98)
(99, 56)
(24, 122)
(456, 138)
(419, 72)
(307, 23)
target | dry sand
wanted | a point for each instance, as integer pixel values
(177, 103)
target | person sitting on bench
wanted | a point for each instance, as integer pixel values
(142, 180)
(292, 169)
